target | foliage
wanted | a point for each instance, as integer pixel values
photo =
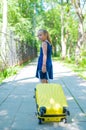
(82, 61)
(21, 19)
(25, 17)
(8, 72)
(52, 24)
(11, 71)
(79, 69)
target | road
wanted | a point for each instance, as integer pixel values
(17, 105)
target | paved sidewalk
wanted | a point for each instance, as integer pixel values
(17, 105)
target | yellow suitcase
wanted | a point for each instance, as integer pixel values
(51, 103)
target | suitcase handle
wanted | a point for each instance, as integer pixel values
(39, 75)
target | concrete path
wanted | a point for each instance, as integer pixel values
(17, 105)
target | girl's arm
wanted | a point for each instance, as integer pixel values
(44, 47)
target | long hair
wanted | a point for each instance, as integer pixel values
(45, 32)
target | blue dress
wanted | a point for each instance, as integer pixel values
(49, 66)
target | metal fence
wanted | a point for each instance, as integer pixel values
(16, 51)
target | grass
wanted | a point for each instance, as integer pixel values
(78, 69)
(9, 72)
(12, 71)
(81, 71)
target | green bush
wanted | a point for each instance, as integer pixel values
(69, 60)
(82, 63)
(8, 72)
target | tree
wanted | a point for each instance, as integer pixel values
(22, 19)
(79, 5)
(63, 42)
(4, 30)
(52, 24)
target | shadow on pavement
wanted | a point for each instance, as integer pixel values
(17, 105)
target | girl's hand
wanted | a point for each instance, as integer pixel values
(44, 68)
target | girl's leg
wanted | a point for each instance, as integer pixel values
(44, 81)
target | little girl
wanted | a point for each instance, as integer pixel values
(44, 67)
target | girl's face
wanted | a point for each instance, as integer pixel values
(42, 36)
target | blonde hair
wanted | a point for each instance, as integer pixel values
(45, 32)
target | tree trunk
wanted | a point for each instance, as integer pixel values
(4, 28)
(68, 53)
(80, 41)
(54, 50)
(63, 43)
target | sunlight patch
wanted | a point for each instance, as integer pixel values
(3, 113)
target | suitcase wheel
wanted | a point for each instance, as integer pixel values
(34, 89)
(42, 110)
(64, 120)
(68, 113)
(34, 96)
(40, 121)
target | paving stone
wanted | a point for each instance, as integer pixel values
(17, 108)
